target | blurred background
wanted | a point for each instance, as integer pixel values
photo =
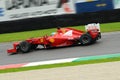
(25, 15)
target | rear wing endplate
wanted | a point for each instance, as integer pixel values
(92, 26)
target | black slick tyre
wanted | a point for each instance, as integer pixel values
(85, 39)
(25, 46)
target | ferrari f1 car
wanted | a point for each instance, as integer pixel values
(62, 37)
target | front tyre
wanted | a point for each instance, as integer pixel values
(25, 46)
(85, 39)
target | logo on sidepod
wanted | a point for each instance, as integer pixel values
(51, 40)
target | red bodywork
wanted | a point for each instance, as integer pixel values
(65, 37)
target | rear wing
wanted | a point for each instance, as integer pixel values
(92, 26)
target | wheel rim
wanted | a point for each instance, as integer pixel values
(85, 40)
(23, 46)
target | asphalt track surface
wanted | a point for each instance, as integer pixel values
(109, 44)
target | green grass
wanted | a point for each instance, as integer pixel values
(108, 27)
(61, 65)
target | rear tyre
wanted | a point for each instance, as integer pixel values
(25, 46)
(85, 39)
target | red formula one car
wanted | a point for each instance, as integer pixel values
(62, 37)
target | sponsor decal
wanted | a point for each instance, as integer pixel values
(17, 4)
(93, 5)
(41, 40)
(20, 9)
(52, 40)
